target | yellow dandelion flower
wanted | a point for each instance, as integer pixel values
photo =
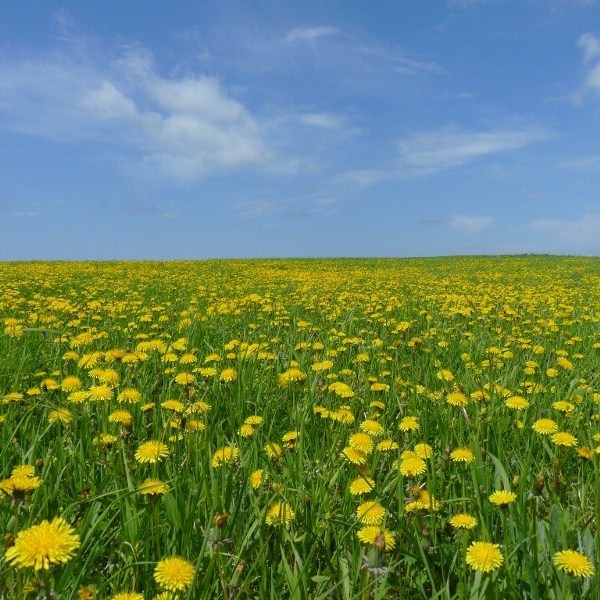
(379, 537)
(457, 399)
(408, 424)
(545, 426)
(463, 521)
(174, 573)
(484, 556)
(100, 392)
(424, 451)
(279, 513)
(152, 452)
(563, 438)
(387, 446)
(153, 487)
(60, 415)
(273, 450)
(225, 455)
(246, 430)
(127, 596)
(411, 466)
(371, 427)
(564, 406)
(585, 452)
(342, 390)
(121, 416)
(71, 384)
(573, 563)
(502, 498)
(361, 485)
(228, 375)
(256, 478)
(185, 379)
(370, 513)
(462, 454)
(44, 545)
(517, 403)
(356, 457)
(362, 442)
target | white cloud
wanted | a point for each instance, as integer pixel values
(575, 235)
(590, 44)
(434, 151)
(466, 224)
(181, 127)
(426, 153)
(309, 34)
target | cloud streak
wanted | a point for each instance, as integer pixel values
(426, 153)
(183, 128)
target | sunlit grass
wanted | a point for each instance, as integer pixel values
(302, 429)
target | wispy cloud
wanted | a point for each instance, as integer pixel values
(182, 127)
(469, 224)
(309, 34)
(437, 150)
(590, 45)
(426, 153)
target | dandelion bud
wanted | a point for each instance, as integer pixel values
(220, 519)
(538, 484)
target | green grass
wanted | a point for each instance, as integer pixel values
(397, 322)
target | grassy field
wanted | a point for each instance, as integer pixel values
(300, 429)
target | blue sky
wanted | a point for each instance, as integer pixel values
(159, 130)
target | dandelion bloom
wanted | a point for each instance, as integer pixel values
(60, 415)
(246, 430)
(423, 451)
(227, 375)
(273, 450)
(502, 498)
(279, 513)
(44, 545)
(100, 392)
(370, 513)
(371, 427)
(253, 420)
(463, 521)
(356, 457)
(362, 442)
(412, 466)
(545, 426)
(562, 438)
(457, 399)
(484, 556)
(387, 445)
(379, 537)
(121, 416)
(153, 487)
(343, 390)
(151, 452)
(408, 424)
(361, 485)
(462, 454)
(127, 596)
(174, 573)
(185, 378)
(225, 455)
(71, 384)
(517, 403)
(256, 478)
(564, 406)
(129, 395)
(573, 563)
(292, 375)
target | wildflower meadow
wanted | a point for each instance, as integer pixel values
(302, 429)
